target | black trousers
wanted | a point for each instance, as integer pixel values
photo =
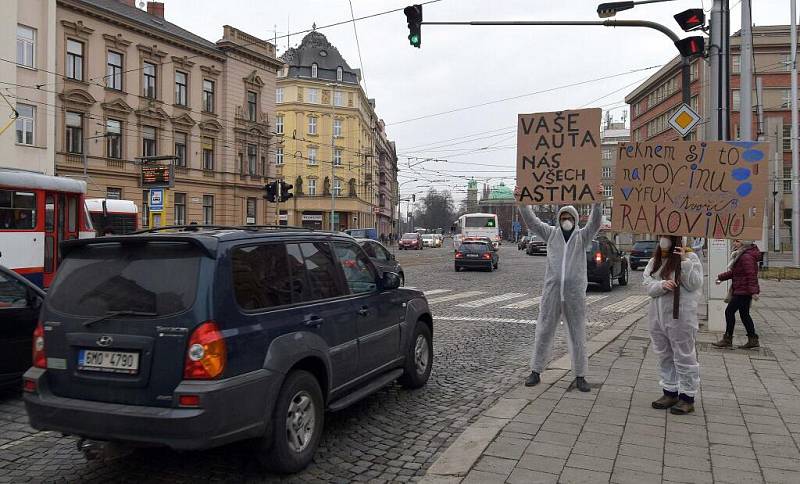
(742, 305)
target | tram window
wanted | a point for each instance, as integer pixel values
(17, 210)
(49, 213)
(72, 205)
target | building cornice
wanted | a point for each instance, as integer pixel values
(136, 26)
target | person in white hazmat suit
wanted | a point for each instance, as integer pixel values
(564, 289)
(673, 340)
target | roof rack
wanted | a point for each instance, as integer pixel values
(196, 227)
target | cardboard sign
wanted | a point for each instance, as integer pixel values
(558, 157)
(713, 189)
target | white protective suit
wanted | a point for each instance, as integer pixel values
(565, 281)
(674, 339)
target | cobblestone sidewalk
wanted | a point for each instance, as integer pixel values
(746, 427)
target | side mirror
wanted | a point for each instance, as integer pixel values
(34, 300)
(392, 256)
(390, 280)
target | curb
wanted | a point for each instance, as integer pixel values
(457, 460)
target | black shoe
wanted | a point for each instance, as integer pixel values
(581, 384)
(532, 380)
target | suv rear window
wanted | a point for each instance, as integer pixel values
(157, 277)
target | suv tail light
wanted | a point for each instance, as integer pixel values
(39, 358)
(487, 255)
(459, 255)
(207, 354)
(598, 257)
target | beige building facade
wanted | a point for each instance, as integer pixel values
(333, 147)
(28, 37)
(135, 86)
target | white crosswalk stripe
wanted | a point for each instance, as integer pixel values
(535, 302)
(484, 320)
(491, 300)
(453, 297)
(524, 304)
(437, 291)
(628, 304)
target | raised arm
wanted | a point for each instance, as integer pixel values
(593, 225)
(535, 225)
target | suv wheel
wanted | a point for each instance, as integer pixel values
(623, 279)
(297, 424)
(419, 358)
(608, 283)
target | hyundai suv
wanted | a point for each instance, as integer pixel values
(201, 336)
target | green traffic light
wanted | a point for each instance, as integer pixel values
(414, 40)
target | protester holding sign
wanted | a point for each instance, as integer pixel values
(564, 289)
(674, 339)
(743, 271)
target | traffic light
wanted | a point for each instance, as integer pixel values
(286, 191)
(271, 191)
(691, 46)
(414, 17)
(691, 19)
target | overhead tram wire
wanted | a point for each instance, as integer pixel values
(248, 44)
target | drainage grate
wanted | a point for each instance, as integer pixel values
(759, 353)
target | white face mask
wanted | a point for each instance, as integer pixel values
(665, 243)
(567, 225)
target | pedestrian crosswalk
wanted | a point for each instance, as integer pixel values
(518, 300)
(491, 300)
(628, 304)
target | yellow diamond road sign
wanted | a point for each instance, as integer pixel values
(684, 120)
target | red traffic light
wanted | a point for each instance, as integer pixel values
(691, 19)
(691, 46)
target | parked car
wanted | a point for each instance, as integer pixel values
(367, 233)
(411, 240)
(523, 243)
(476, 254)
(642, 252)
(194, 339)
(605, 264)
(20, 301)
(384, 260)
(536, 246)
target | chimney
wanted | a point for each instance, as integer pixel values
(130, 3)
(155, 9)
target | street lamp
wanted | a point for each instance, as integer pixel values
(606, 10)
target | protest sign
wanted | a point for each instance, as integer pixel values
(713, 189)
(558, 157)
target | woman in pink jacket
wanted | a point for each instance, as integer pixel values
(743, 272)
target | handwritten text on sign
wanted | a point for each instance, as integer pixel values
(710, 189)
(558, 157)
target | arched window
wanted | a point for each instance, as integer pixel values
(339, 73)
(314, 70)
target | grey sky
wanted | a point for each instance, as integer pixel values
(462, 66)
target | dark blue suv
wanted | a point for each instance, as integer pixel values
(196, 337)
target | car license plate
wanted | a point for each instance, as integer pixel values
(109, 361)
(472, 255)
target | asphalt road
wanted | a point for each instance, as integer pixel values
(483, 331)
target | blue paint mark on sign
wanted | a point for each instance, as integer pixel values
(740, 174)
(744, 189)
(753, 155)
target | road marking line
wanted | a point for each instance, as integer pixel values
(485, 302)
(594, 299)
(484, 320)
(437, 291)
(524, 304)
(628, 304)
(453, 297)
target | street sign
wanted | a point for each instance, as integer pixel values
(684, 120)
(157, 176)
(156, 199)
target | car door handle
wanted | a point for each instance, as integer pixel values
(363, 311)
(313, 322)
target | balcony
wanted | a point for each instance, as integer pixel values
(74, 158)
